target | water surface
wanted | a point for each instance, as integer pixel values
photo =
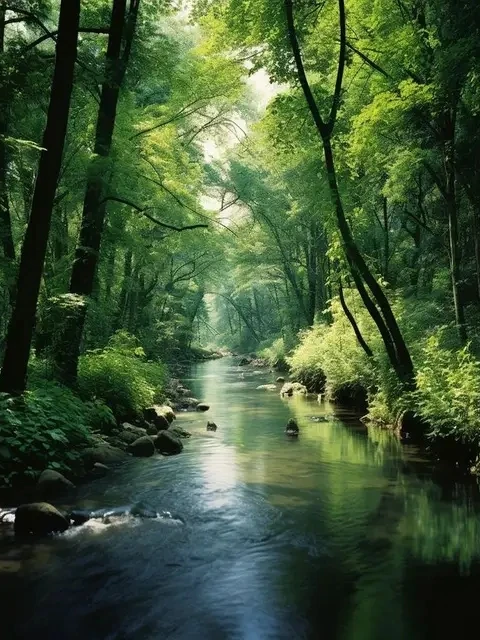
(339, 534)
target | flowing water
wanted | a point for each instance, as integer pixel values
(339, 534)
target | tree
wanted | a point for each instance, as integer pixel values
(14, 370)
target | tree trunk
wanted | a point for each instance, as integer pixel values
(358, 334)
(451, 202)
(122, 29)
(19, 338)
(6, 237)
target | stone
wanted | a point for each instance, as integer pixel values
(143, 447)
(127, 437)
(280, 379)
(51, 484)
(293, 388)
(292, 428)
(79, 517)
(39, 519)
(203, 407)
(268, 387)
(168, 444)
(243, 362)
(100, 470)
(179, 432)
(211, 426)
(151, 429)
(104, 453)
(155, 415)
(138, 431)
(168, 412)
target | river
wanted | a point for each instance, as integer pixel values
(341, 534)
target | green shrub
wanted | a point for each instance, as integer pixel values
(120, 377)
(448, 391)
(275, 354)
(333, 351)
(45, 427)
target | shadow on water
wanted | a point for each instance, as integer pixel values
(340, 534)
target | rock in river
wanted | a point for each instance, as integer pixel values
(168, 444)
(104, 453)
(268, 387)
(292, 428)
(203, 407)
(156, 416)
(143, 447)
(211, 426)
(178, 432)
(293, 388)
(39, 519)
(51, 484)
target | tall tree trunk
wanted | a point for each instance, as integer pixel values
(400, 356)
(19, 338)
(356, 329)
(450, 194)
(6, 237)
(122, 30)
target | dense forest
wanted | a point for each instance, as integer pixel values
(294, 178)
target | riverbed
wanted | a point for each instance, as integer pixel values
(341, 533)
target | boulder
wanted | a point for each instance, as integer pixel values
(39, 519)
(51, 484)
(280, 379)
(138, 431)
(187, 403)
(292, 428)
(211, 426)
(168, 444)
(178, 432)
(143, 447)
(126, 437)
(268, 387)
(202, 406)
(243, 362)
(293, 388)
(156, 416)
(168, 412)
(104, 453)
(79, 517)
(151, 429)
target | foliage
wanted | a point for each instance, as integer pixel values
(333, 352)
(45, 427)
(448, 390)
(275, 354)
(121, 377)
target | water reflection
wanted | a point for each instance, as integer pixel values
(339, 534)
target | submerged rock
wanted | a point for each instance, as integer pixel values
(51, 484)
(280, 379)
(267, 387)
(99, 470)
(39, 519)
(143, 447)
(203, 407)
(211, 426)
(168, 444)
(293, 388)
(292, 428)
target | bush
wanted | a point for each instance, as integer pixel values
(332, 352)
(120, 376)
(45, 427)
(448, 391)
(275, 354)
